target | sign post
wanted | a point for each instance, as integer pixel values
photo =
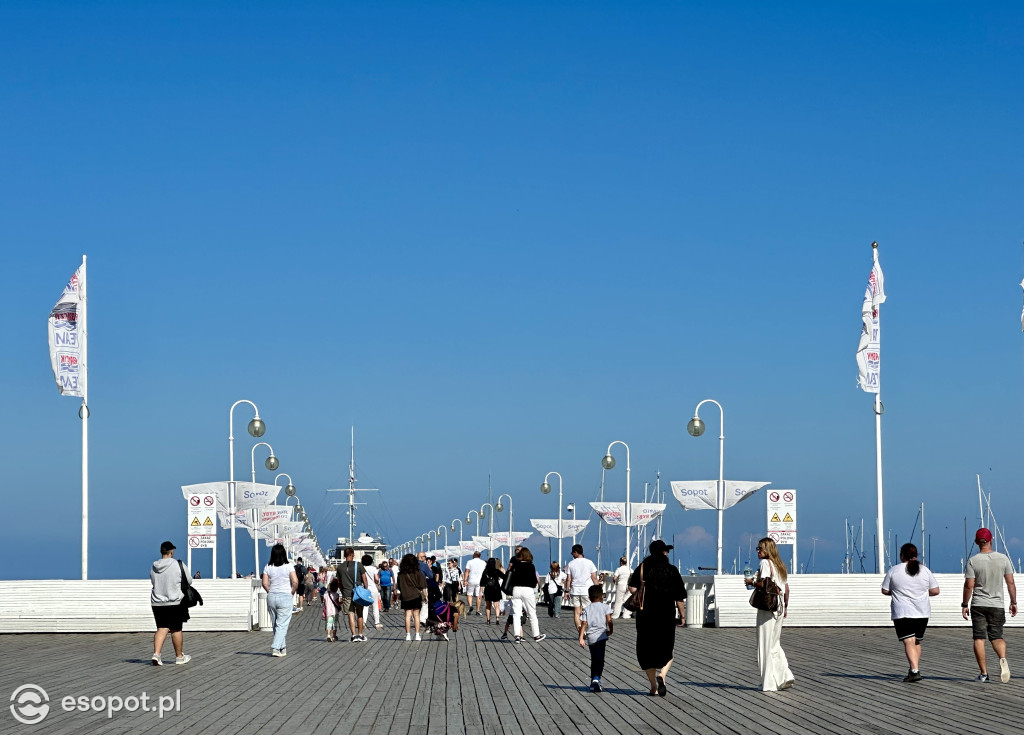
(201, 529)
(782, 520)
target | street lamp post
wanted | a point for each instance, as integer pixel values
(445, 548)
(511, 538)
(608, 463)
(490, 517)
(459, 521)
(571, 508)
(289, 491)
(271, 464)
(545, 488)
(696, 428)
(256, 429)
(474, 511)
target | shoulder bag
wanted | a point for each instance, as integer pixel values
(360, 595)
(506, 585)
(635, 603)
(768, 596)
(190, 596)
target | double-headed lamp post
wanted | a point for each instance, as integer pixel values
(256, 429)
(271, 464)
(545, 488)
(608, 463)
(696, 428)
(511, 538)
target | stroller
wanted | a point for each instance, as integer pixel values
(442, 616)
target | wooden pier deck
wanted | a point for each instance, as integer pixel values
(848, 680)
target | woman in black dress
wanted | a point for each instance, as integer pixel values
(664, 593)
(490, 581)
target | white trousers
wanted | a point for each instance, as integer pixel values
(375, 593)
(524, 599)
(620, 597)
(771, 659)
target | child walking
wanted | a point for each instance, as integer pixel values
(595, 627)
(332, 603)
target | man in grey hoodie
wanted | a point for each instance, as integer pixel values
(170, 614)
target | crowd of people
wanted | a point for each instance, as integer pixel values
(430, 594)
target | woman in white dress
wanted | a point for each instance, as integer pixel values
(771, 659)
(372, 575)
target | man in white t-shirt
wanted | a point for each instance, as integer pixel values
(582, 574)
(471, 580)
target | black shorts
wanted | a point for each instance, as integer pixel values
(171, 617)
(413, 604)
(987, 622)
(910, 627)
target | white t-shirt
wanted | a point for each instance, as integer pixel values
(475, 568)
(280, 578)
(580, 570)
(909, 594)
(555, 581)
(621, 576)
(597, 624)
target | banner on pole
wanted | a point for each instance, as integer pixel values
(259, 495)
(274, 515)
(67, 338)
(703, 494)
(501, 538)
(869, 353)
(614, 514)
(218, 489)
(548, 527)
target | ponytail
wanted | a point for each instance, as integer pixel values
(908, 553)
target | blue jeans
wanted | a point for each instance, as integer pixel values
(279, 604)
(555, 606)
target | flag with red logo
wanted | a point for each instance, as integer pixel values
(869, 355)
(66, 333)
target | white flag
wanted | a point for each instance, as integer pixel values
(614, 514)
(869, 355)
(501, 537)
(67, 338)
(548, 527)
(702, 494)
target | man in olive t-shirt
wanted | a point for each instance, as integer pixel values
(983, 602)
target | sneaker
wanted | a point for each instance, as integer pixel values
(913, 676)
(1004, 670)
(540, 637)
(519, 639)
(284, 651)
(787, 684)
(982, 677)
(418, 637)
(408, 636)
(362, 639)
(379, 626)
(477, 612)
(504, 635)
(595, 686)
(276, 653)
(445, 636)
(157, 661)
(354, 639)
(182, 659)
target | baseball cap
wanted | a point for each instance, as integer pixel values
(983, 535)
(168, 546)
(659, 547)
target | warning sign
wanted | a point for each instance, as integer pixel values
(782, 516)
(202, 533)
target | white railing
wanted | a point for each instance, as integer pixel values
(116, 606)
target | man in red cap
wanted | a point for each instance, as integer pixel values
(983, 601)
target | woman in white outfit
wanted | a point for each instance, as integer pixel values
(524, 594)
(771, 659)
(371, 578)
(621, 577)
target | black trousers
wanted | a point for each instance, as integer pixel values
(597, 659)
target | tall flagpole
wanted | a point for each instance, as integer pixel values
(84, 413)
(878, 432)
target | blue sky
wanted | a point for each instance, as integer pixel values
(496, 239)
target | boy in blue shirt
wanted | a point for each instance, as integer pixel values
(595, 627)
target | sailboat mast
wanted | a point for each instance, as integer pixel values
(351, 489)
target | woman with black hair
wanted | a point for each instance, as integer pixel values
(664, 593)
(490, 583)
(412, 589)
(280, 581)
(910, 584)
